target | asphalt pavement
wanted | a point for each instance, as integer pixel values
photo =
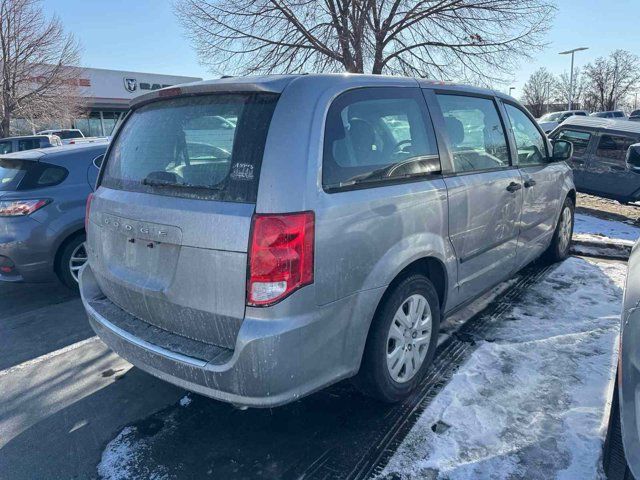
(63, 394)
(70, 408)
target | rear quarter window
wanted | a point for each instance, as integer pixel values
(207, 147)
(50, 176)
(614, 147)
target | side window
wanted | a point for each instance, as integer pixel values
(377, 134)
(531, 145)
(5, 147)
(580, 140)
(614, 147)
(475, 132)
(28, 144)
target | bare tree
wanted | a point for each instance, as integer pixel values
(461, 39)
(563, 88)
(536, 93)
(35, 55)
(611, 79)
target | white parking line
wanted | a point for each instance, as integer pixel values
(48, 356)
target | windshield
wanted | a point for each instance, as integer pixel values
(206, 147)
(550, 117)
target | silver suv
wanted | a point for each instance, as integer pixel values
(321, 230)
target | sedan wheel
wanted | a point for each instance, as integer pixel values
(409, 338)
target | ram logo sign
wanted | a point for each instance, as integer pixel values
(130, 84)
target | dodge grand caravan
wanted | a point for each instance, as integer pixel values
(321, 234)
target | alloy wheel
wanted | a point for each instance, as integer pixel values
(77, 260)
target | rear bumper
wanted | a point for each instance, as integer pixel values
(27, 244)
(282, 353)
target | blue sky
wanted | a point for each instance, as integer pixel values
(144, 35)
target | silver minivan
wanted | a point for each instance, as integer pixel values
(320, 232)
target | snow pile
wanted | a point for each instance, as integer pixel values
(588, 228)
(531, 401)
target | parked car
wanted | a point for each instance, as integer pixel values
(270, 268)
(635, 115)
(622, 445)
(618, 114)
(28, 142)
(42, 207)
(599, 161)
(65, 134)
(551, 120)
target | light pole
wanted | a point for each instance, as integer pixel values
(547, 95)
(572, 52)
(511, 88)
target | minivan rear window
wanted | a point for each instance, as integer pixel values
(207, 147)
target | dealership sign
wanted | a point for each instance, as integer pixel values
(131, 85)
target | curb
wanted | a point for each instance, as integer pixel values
(601, 249)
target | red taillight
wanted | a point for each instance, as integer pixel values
(280, 256)
(87, 210)
(20, 208)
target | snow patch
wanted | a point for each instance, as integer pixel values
(185, 401)
(531, 400)
(592, 228)
(122, 458)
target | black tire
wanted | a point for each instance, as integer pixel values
(614, 462)
(374, 378)
(62, 265)
(556, 251)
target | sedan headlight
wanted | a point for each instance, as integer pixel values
(20, 208)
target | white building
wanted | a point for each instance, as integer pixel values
(107, 93)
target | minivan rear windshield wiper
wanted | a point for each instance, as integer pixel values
(160, 183)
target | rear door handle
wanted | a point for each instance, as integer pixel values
(529, 183)
(514, 187)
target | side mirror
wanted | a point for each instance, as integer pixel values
(562, 150)
(633, 158)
